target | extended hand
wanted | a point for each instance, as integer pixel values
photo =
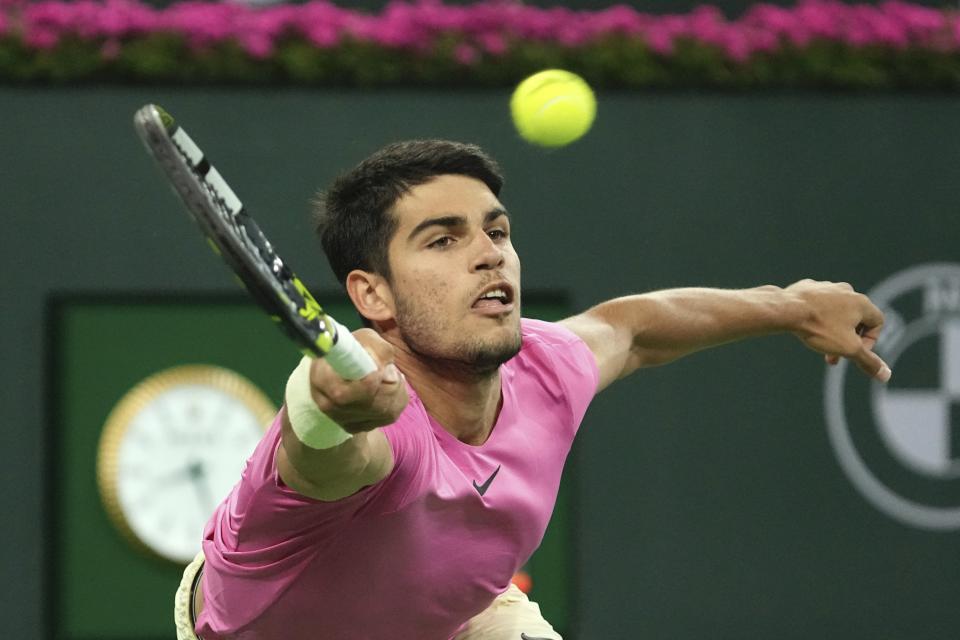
(361, 405)
(840, 323)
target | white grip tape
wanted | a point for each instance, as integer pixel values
(187, 146)
(347, 357)
(312, 427)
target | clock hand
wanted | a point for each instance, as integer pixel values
(178, 475)
(198, 478)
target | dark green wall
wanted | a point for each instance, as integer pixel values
(711, 502)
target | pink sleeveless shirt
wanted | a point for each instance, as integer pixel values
(416, 555)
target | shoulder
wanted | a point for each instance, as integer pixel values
(554, 353)
(540, 334)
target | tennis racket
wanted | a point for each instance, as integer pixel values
(235, 237)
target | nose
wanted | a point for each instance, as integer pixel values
(489, 254)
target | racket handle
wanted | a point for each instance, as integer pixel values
(348, 357)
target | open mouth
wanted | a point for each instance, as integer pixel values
(495, 298)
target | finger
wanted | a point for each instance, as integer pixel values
(330, 391)
(391, 375)
(386, 385)
(366, 388)
(869, 337)
(831, 360)
(390, 396)
(872, 365)
(393, 399)
(871, 316)
(388, 374)
(322, 375)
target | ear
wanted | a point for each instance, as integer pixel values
(371, 295)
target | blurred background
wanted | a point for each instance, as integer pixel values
(744, 492)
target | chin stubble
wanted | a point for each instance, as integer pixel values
(479, 357)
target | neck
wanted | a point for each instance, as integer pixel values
(465, 402)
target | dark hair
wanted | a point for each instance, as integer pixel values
(353, 216)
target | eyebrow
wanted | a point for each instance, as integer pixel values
(455, 220)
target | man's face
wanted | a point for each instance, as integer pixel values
(455, 276)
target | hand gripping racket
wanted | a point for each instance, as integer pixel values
(235, 237)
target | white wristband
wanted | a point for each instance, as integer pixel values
(313, 427)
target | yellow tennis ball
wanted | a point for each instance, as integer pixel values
(553, 108)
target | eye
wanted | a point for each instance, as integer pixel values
(497, 234)
(441, 242)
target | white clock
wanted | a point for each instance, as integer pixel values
(172, 449)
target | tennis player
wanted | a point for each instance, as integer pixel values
(399, 506)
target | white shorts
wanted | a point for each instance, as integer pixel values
(511, 616)
(183, 601)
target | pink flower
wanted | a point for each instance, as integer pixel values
(492, 43)
(770, 18)
(258, 45)
(815, 19)
(485, 28)
(465, 54)
(571, 35)
(534, 24)
(736, 46)
(660, 41)
(619, 19)
(890, 32)
(41, 39)
(764, 41)
(202, 24)
(323, 36)
(799, 35)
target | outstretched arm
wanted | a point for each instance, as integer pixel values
(326, 470)
(659, 327)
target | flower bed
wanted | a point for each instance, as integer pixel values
(820, 44)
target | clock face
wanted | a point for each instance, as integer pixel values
(172, 450)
